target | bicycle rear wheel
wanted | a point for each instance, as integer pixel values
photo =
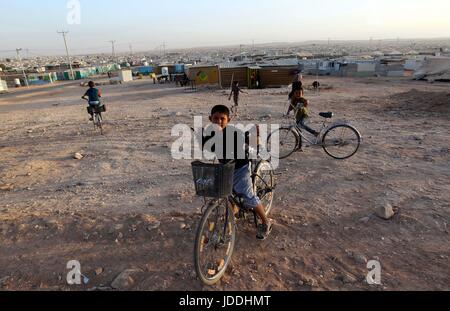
(264, 184)
(341, 141)
(289, 141)
(214, 242)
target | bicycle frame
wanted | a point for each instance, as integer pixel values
(317, 141)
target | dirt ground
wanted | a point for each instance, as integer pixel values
(128, 205)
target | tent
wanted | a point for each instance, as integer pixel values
(434, 69)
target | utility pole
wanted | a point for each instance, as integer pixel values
(164, 47)
(131, 49)
(113, 42)
(21, 65)
(68, 55)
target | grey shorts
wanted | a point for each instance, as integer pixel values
(243, 186)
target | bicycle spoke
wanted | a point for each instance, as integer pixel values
(287, 142)
(341, 142)
(217, 232)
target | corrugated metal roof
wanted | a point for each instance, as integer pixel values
(203, 65)
(231, 65)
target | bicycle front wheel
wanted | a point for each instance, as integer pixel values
(288, 142)
(341, 142)
(214, 242)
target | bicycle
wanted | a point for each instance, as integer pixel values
(216, 233)
(339, 140)
(97, 119)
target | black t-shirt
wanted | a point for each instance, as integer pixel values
(240, 142)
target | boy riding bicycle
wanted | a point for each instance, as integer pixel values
(300, 105)
(93, 96)
(243, 185)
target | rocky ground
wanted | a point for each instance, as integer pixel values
(127, 211)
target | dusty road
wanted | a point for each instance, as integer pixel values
(128, 205)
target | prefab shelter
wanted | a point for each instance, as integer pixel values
(434, 69)
(146, 70)
(277, 76)
(125, 76)
(81, 74)
(391, 68)
(239, 74)
(204, 75)
(178, 68)
(165, 70)
(3, 86)
(43, 78)
(357, 69)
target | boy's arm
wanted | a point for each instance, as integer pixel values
(99, 93)
(84, 96)
(291, 107)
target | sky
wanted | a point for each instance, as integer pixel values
(146, 24)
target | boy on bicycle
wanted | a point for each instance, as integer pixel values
(243, 185)
(93, 96)
(300, 105)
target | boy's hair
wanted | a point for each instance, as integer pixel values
(220, 109)
(235, 82)
(91, 84)
(297, 86)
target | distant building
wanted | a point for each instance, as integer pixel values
(434, 69)
(391, 67)
(268, 73)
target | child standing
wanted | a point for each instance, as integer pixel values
(235, 90)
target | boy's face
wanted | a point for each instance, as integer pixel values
(220, 119)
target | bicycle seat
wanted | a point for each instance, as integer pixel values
(326, 115)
